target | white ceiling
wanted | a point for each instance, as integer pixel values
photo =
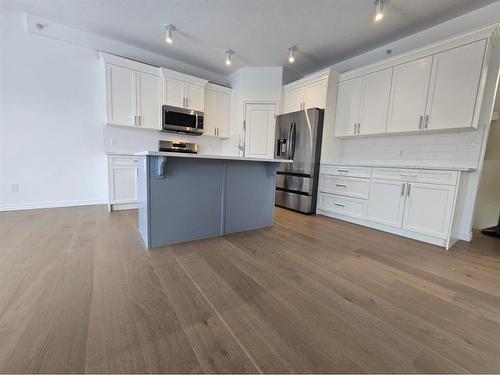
(259, 31)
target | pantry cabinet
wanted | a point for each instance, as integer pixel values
(306, 93)
(133, 96)
(183, 91)
(439, 87)
(217, 110)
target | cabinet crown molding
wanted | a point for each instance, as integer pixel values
(168, 73)
(130, 64)
(318, 76)
(219, 88)
(491, 32)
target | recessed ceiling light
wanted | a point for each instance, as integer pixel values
(168, 36)
(291, 54)
(229, 57)
(379, 10)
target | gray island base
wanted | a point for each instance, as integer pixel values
(185, 197)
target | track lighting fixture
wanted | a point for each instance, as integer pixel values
(291, 54)
(229, 57)
(168, 36)
(379, 10)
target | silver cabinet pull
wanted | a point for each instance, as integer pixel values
(339, 205)
(355, 127)
(341, 185)
(420, 122)
(136, 120)
(187, 103)
(359, 128)
(403, 190)
(139, 120)
(343, 170)
(409, 190)
(426, 123)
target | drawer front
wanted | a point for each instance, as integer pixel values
(428, 176)
(123, 160)
(348, 186)
(343, 205)
(339, 170)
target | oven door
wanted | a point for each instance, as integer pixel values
(182, 120)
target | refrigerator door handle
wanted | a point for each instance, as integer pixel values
(294, 136)
(289, 138)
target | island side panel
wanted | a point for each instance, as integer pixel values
(249, 195)
(143, 199)
(185, 204)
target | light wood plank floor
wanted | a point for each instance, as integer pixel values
(78, 293)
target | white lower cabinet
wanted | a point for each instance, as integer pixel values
(122, 173)
(415, 203)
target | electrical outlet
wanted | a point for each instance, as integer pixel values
(14, 188)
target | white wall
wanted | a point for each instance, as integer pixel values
(263, 84)
(52, 113)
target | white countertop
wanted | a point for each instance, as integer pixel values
(204, 156)
(461, 169)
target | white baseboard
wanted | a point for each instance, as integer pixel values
(34, 206)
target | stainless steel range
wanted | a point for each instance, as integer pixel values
(178, 146)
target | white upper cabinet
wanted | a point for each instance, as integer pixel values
(437, 87)
(134, 93)
(183, 91)
(120, 90)
(455, 79)
(217, 110)
(410, 85)
(149, 88)
(306, 93)
(260, 120)
(348, 106)
(375, 96)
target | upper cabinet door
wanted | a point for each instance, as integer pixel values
(120, 95)
(259, 132)
(348, 106)
(149, 95)
(194, 96)
(210, 113)
(224, 112)
(454, 87)
(315, 94)
(410, 84)
(293, 100)
(174, 92)
(375, 97)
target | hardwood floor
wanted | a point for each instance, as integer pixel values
(78, 293)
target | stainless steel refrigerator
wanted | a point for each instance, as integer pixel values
(298, 137)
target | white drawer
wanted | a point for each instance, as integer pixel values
(343, 205)
(348, 186)
(123, 160)
(339, 170)
(428, 176)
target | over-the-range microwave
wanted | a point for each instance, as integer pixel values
(182, 120)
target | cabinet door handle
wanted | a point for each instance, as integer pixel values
(426, 124)
(341, 185)
(355, 127)
(420, 122)
(343, 170)
(139, 120)
(340, 205)
(187, 101)
(409, 190)
(403, 190)
(359, 127)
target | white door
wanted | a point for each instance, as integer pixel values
(174, 92)
(315, 94)
(149, 99)
(454, 86)
(259, 130)
(375, 97)
(123, 184)
(293, 99)
(210, 113)
(348, 106)
(120, 95)
(224, 113)
(410, 84)
(194, 96)
(387, 202)
(429, 209)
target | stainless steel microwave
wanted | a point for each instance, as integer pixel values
(182, 120)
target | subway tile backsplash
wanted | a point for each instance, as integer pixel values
(451, 149)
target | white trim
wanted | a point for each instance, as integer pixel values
(122, 206)
(168, 73)
(130, 64)
(318, 76)
(489, 32)
(218, 88)
(34, 206)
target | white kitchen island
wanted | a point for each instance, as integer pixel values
(185, 197)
